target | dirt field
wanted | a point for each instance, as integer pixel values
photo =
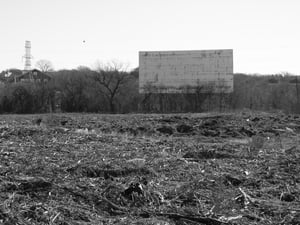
(66, 169)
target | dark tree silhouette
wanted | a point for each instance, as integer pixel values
(111, 77)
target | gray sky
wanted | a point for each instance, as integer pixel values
(264, 34)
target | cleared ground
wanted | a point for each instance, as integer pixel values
(241, 168)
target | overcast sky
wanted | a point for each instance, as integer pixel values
(264, 34)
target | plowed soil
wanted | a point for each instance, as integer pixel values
(231, 168)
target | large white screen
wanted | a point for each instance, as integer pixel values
(186, 71)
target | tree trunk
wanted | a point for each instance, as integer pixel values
(112, 105)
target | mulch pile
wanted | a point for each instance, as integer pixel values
(214, 169)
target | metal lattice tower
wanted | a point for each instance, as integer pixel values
(27, 55)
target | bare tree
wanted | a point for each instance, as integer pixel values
(44, 65)
(111, 77)
(73, 86)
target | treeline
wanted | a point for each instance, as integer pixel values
(113, 90)
(109, 89)
(267, 93)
